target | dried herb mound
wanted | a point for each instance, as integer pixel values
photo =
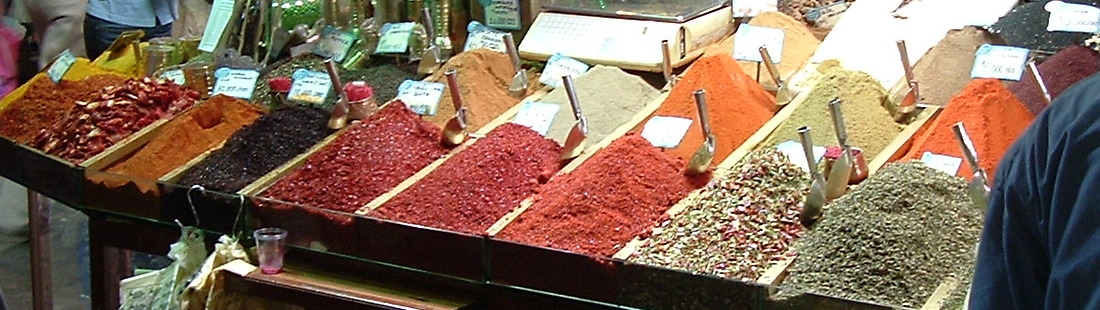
(745, 219)
(616, 195)
(892, 240)
(258, 148)
(383, 79)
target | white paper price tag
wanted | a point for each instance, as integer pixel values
(947, 164)
(484, 37)
(537, 115)
(503, 14)
(61, 66)
(748, 40)
(421, 97)
(309, 86)
(176, 76)
(235, 83)
(1072, 17)
(666, 131)
(395, 38)
(334, 44)
(559, 66)
(797, 156)
(999, 62)
(220, 13)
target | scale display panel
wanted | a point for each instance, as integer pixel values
(669, 11)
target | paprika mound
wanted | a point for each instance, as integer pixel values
(45, 102)
(614, 196)
(993, 119)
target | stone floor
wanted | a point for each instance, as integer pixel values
(67, 228)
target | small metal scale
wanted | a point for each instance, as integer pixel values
(626, 33)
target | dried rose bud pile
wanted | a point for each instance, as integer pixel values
(744, 220)
(113, 114)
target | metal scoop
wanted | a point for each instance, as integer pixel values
(1039, 81)
(700, 161)
(842, 169)
(815, 201)
(454, 132)
(666, 66)
(339, 117)
(518, 88)
(429, 60)
(574, 142)
(907, 105)
(978, 189)
(783, 94)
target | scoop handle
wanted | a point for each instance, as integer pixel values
(1031, 68)
(429, 26)
(510, 47)
(838, 122)
(666, 61)
(808, 149)
(904, 52)
(701, 106)
(772, 70)
(967, 146)
(452, 85)
(330, 67)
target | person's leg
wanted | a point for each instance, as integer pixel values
(99, 34)
(158, 31)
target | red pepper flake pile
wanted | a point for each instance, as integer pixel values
(113, 114)
(46, 102)
(993, 119)
(367, 160)
(620, 193)
(479, 185)
(737, 105)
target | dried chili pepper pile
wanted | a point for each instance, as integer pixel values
(113, 114)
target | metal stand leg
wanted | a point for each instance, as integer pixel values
(38, 210)
(109, 265)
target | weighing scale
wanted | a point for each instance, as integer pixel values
(626, 33)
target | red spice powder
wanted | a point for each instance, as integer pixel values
(1064, 69)
(737, 105)
(188, 136)
(993, 119)
(367, 160)
(46, 102)
(618, 194)
(479, 185)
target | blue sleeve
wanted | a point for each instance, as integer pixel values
(1040, 247)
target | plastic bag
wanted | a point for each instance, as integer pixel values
(160, 290)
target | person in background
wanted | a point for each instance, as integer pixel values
(107, 19)
(1040, 247)
(57, 27)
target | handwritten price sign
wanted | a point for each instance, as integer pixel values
(999, 62)
(237, 83)
(309, 86)
(421, 97)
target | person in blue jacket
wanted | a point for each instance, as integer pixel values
(1040, 247)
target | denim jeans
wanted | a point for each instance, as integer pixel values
(100, 33)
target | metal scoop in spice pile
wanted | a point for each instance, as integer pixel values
(703, 156)
(978, 189)
(574, 142)
(841, 169)
(454, 132)
(666, 66)
(906, 100)
(1039, 82)
(783, 94)
(339, 117)
(519, 85)
(815, 200)
(430, 59)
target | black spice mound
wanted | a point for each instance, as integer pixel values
(1026, 26)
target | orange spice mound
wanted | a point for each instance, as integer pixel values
(736, 104)
(993, 119)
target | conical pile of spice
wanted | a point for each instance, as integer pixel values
(869, 125)
(892, 240)
(945, 69)
(993, 119)
(479, 185)
(798, 45)
(186, 137)
(616, 195)
(737, 105)
(45, 102)
(605, 111)
(483, 79)
(1060, 72)
(741, 222)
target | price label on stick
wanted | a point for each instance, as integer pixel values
(537, 115)
(395, 38)
(309, 87)
(61, 66)
(335, 44)
(666, 131)
(999, 62)
(237, 83)
(1072, 17)
(748, 39)
(421, 97)
(947, 164)
(559, 66)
